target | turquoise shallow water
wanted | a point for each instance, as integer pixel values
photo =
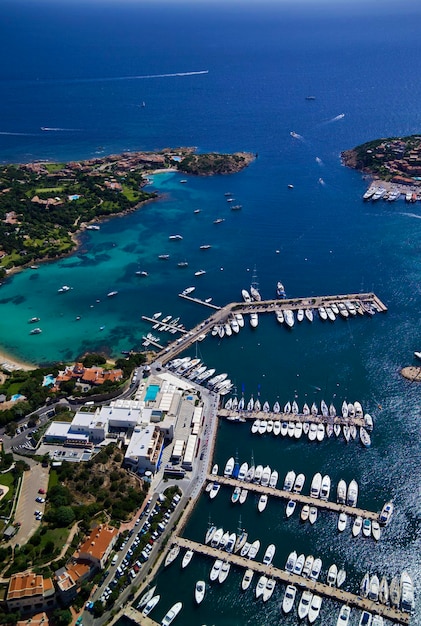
(262, 60)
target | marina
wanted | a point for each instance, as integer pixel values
(289, 578)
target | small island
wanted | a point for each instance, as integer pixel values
(45, 205)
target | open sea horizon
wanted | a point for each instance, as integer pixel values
(228, 79)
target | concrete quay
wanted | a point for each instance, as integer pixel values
(290, 417)
(138, 618)
(296, 497)
(345, 597)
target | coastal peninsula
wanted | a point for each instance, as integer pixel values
(395, 159)
(45, 205)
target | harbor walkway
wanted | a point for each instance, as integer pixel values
(296, 497)
(220, 316)
(283, 576)
(137, 617)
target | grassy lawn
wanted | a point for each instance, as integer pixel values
(57, 535)
(130, 194)
(7, 481)
(53, 479)
(48, 190)
(53, 167)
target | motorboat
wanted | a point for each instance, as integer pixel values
(187, 558)
(291, 429)
(377, 620)
(284, 429)
(407, 593)
(247, 578)
(357, 526)
(280, 290)
(353, 431)
(299, 565)
(312, 432)
(290, 508)
(172, 614)
(266, 476)
(175, 237)
(216, 568)
(230, 545)
(344, 615)
(341, 492)
(240, 320)
(269, 554)
(240, 541)
(300, 315)
(255, 426)
(365, 619)
(214, 491)
(289, 480)
(320, 433)
(304, 604)
(289, 598)
(289, 317)
(258, 473)
(273, 481)
(276, 428)
(199, 591)
(146, 597)
(332, 575)
(215, 469)
(366, 527)
(308, 564)
(224, 539)
(322, 313)
(229, 466)
(245, 549)
(368, 422)
(316, 484)
(386, 514)
(111, 294)
(312, 514)
(299, 483)
(235, 496)
(342, 521)
(289, 565)
(243, 471)
(217, 536)
(314, 610)
(210, 533)
(172, 555)
(325, 488)
(395, 591)
(269, 589)
(263, 500)
(316, 568)
(375, 530)
(254, 320)
(305, 512)
(298, 430)
(309, 314)
(246, 295)
(254, 549)
(373, 590)
(224, 571)
(330, 314)
(340, 579)
(260, 587)
(352, 493)
(151, 604)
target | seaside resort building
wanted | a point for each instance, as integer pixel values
(143, 426)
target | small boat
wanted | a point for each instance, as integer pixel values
(260, 587)
(316, 484)
(289, 598)
(151, 604)
(224, 571)
(325, 488)
(247, 578)
(243, 496)
(175, 237)
(395, 591)
(269, 589)
(172, 555)
(219, 220)
(332, 575)
(344, 615)
(365, 437)
(407, 593)
(316, 569)
(375, 530)
(205, 246)
(299, 483)
(308, 564)
(263, 500)
(273, 481)
(352, 493)
(320, 434)
(357, 526)
(216, 568)
(299, 565)
(200, 272)
(199, 591)
(290, 508)
(187, 558)
(340, 579)
(269, 554)
(229, 467)
(373, 590)
(163, 257)
(214, 490)
(182, 264)
(384, 591)
(386, 514)
(66, 288)
(173, 612)
(304, 604)
(236, 495)
(289, 565)
(254, 549)
(342, 521)
(312, 515)
(33, 320)
(305, 512)
(314, 610)
(146, 597)
(111, 294)
(210, 533)
(35, 331)
(365, 584)
(309, 314)
(289, 480)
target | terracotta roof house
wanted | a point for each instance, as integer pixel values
(30, 592)
(97, 547)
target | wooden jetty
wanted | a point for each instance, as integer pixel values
(290, 417)
(221, 315)
(167, 325)
(345, 597)
(297, 497)
(137, 617)
(147, 341)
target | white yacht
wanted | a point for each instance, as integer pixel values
(315, 570)
(344, 615)
(146, 597)
(246, 295)
(312, 432)
(263, 500)
(342, 521)
(299, 565)
(187, 558)
(261, 585)
(254, 320)
(316, 484)
(373, 590)
(314, 610)
(407, 593)
(312, 514)
(289, 480)
(289, 565)
(332, 575)
(172, 555)
(290, 508)
(340, 578)
(216, 568)
(289, 597)
(269, 589)
(151, 604)
(375, 530)
(289, 317)
(309, 314)
(265, 476)
(386, 514)
(224, 571)
(305, 512)
(299, 483)
(352, 493)
(308, 564)
(199, 591)
(269, 554)
(172, 614)
(229, 466)
(320, 434)
(304, 605)
(254, 549)
(357, 526)
(273, 481)
(247, 578)
(325, 488)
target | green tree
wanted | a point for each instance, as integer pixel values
(62, 617)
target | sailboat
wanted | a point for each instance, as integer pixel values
(254, 287)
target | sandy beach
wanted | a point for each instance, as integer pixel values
(10, 363)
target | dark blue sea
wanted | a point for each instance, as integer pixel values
(225, 77)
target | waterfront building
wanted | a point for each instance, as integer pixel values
(30, 593)
(97, 547)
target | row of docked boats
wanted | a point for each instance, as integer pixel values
(399, 593)
(196, 371)
(231, 326)
(149, 602)
(168, 323)
(313, 431)
(331, 311)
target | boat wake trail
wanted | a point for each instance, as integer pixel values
(57, 130)
(319, 161)
(418, 217)
(296, 136)
(3, 132)
(335, 119)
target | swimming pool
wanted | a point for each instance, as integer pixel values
(16, 396)
(151, 392)
(48, 380)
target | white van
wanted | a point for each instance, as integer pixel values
(114, 559)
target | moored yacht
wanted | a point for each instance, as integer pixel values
(199, 591)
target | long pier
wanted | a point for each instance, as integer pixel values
(291, 417)
(297, 497)
(283, 576)
(264, 306)
(168, 325)
(199, 301)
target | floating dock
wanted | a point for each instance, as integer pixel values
(290, 417)
(345, 597)
(296, 497)
(199, 301)
(167, 325)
